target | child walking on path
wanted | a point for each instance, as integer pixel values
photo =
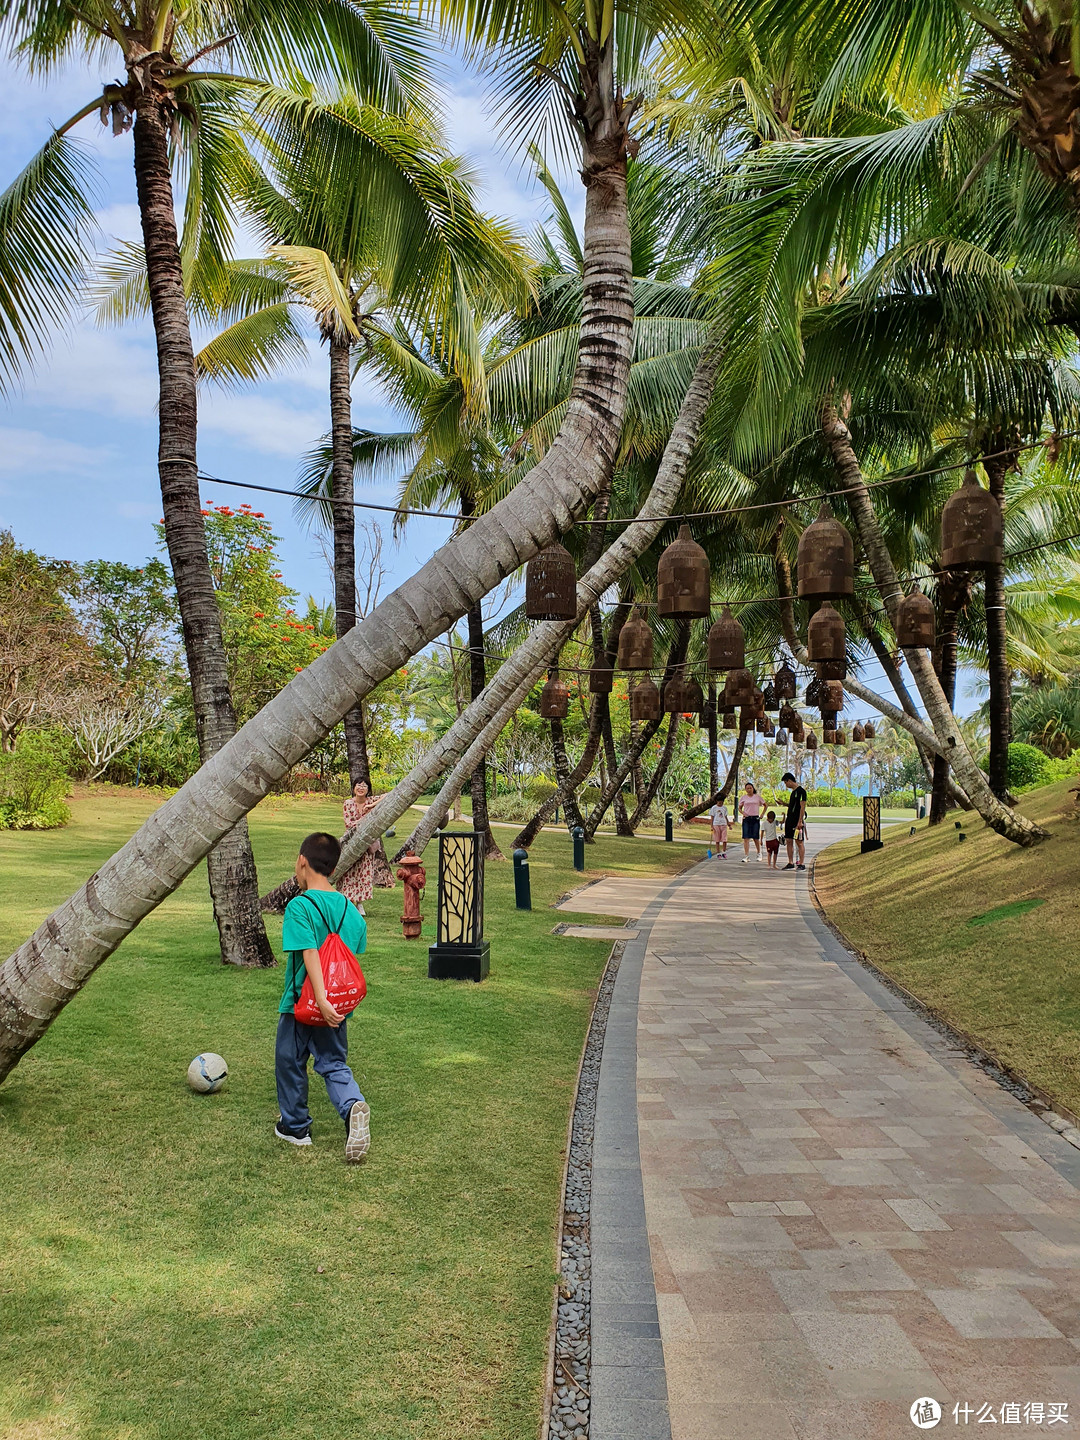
(720, 825)
(310, 917)
(750, 806)
(771, 838)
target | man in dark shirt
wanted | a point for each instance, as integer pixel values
(795, 824)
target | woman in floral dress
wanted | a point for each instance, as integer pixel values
(356, 884)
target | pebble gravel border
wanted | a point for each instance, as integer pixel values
(568, 1418)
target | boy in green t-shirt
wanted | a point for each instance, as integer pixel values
(309, 917)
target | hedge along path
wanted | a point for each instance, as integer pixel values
(52, 966)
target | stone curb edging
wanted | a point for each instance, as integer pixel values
(1021, 1104)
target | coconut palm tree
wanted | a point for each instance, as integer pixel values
(169, 95)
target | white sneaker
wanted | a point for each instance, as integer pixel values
(723, 856)
(760, 858)
(291, 1139)
(358, 1133)
(746, 860)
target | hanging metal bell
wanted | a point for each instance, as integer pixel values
(768, 696)
(915, 622)
(671, 696)
(811, 740)
(826, 559)
(858, 734)
(797, 730)
(683, 588)
(868, 730)
(784, 682)
(788, 715)
(601, 678)
(739, 689)
(781, 737)
(839, 738)
(694, 697)
(832, 695)
(729, 720)
(551, 585)
(554, 699)
(636, 644)
(644, 701)
(972, 533)
(727, 644)
(830, 720)
(826, 635)
(758, 705)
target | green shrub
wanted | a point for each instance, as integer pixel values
(540, 788)
(33, 784)
(828, 798)
(1028, 767)
(1062, 769)
(588, 796)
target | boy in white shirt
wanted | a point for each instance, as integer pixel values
(719, 817)
(770, 835)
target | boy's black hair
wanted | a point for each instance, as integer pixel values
(322, 852)
(787, 775)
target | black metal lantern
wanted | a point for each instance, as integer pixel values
(766, 727)
(768, 696)
(695, 697)
(644, 701)
(784, 682)
(858, 734)
(830, 719)
(682, 580)
(868, 730)
(636, 644)
(826, 559)
(601, 678)
(554, 699)
(460, 951)
(811, 740)
(797, 730)
(739, 689)
(826, 634)
(832, 670)
(788, 715)
(729, 720)
(781, 736)
(813, 691)
(727, 644)
(915, 622)
(551, 585)
(972, 531)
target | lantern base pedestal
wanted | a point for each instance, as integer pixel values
(459, 962)
(871, 845)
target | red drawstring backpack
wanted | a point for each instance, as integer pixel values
(342, 976)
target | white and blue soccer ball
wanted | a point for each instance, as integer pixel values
(207, 1073)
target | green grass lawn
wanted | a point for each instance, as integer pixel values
(948, 920)
(172, 1272)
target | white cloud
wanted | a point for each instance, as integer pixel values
(266, 424)
(31, 452)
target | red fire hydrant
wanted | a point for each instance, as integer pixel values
(413, 877)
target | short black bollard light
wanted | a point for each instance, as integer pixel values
(669, 825)
(522, 889)
(579, 847)
(961, 836)
(958, 824)
(912, 830)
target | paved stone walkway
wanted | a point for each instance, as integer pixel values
(843, 1214)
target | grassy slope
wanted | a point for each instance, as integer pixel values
(1014, 984)
(161, 1260)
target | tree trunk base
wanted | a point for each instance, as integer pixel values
(234, 888)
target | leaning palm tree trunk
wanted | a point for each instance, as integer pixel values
(1006, 822)
(45, 972)
(658, 774)
(721, 792)
(234, 885)
(477, 728)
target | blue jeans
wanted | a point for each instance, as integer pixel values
(330, 1050)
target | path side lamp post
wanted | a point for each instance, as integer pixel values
(460, 951)
(669, 826)
(871, 823)
(522, 888)
(579, 847)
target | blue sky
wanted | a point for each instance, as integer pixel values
(78, 477)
